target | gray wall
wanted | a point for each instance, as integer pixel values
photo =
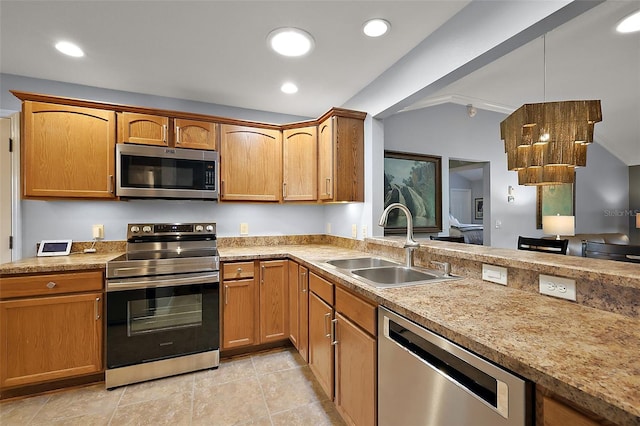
(446, 130)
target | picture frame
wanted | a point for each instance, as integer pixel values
(478, 208)
(414, 180)
(555, 199)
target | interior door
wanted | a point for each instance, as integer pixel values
(460, 204)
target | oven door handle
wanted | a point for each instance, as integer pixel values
(167, 282)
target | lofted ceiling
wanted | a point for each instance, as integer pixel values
(215, 51)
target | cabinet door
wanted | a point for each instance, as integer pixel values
(143, 129)
(355, 373)
(303, 317)
(299, 175)
(50, 338)
(194, 134)
(250, 164)
(325, 160)
(274, 301)
(68, 151)
(294, 304)
(320, 349)
(239, 313)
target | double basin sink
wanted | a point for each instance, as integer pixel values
(386, 274)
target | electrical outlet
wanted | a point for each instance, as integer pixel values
(364, 231)
(495, 274)
(354, 231)
(564, 288)
(244, 229)
(97, 232)
(328, 227)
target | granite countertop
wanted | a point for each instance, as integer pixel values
(586, 355)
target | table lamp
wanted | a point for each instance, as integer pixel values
(558, 225)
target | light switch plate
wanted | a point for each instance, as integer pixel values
(97, 232)
(354, 231)
(564, 288)
(244, 229)
(495, 274)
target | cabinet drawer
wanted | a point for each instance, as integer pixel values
(237, 270)
(357, 310)
(321, 287)
(50, 284)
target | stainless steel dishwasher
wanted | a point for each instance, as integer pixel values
(424, 379)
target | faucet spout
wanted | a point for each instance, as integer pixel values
(410, 242)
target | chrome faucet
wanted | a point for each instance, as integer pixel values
(410, 244)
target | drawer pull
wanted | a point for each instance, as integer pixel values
(239, 270)
(51, 284)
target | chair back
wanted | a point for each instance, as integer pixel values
(543, 245)
(450, 239)
(621, 252)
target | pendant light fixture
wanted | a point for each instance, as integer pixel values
(546, 141)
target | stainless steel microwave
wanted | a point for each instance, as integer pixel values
(144, 171)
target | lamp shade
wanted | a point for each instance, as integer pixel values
(558, 225)
(638, 220)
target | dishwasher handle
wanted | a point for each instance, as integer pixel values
(482, 386)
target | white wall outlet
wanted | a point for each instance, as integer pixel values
(495, 274)
(328, 227)
(244, 228)
(97, 232)
(364, 231)
(354, 231)
(564, 288)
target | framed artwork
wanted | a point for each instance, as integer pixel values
(415, 181)
(555, 199)
(479, 204)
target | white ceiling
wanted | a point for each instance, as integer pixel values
(215, 51)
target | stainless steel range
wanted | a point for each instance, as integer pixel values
(163, 303)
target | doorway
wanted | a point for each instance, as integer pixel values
(5, 190)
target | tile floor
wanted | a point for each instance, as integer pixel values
(271, 388)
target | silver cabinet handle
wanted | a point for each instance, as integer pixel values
(111, 185)
(303, 278)
(334, 340)
(226, 294)
(262, 275)
(239, 270)
(164, 133)
(177, 135)
(327, 185)
(327, 332)
(97, 308)
(284, 190)
(51, 284)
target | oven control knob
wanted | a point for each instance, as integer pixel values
(135, 229)
(199, 228)
(209, 228)
(146, 228)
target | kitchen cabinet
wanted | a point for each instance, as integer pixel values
(557, 411)
(300, 154)
(299, 308)
(254, 303)
(67, 151)
(321, 353)
(250, 163)
(341, 157)
(274, 321)
(239, 305)
(51, 327)
(147, 129)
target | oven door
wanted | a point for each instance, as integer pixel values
(148, 323)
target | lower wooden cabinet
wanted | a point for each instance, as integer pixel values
(274, 321)
(321, 355)
(50, 338)
(239, 313)
(299, 308)
(553, 410)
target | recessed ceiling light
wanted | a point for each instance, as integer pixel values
(70, 49)
(289, 88)
(630, 24)
(376, 27)
(290, 41)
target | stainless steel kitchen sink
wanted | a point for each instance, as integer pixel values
(359, 263)
(399, 276)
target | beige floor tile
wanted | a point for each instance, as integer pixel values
(228, 371)
(84, 420)
(93, 399)
(317, 414)
(173, 410)
(157, 389)
(270, 362)
(292, 388)
(230, 403)
(20, 412)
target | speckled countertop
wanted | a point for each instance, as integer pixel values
(589, 356)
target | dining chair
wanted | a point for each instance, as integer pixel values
(450, 239)
(543, 245)
(620, 252)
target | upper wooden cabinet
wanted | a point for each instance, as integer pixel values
(250, 164)
(341, 157)
(300, 159)
(67, 151)
(157, 130)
